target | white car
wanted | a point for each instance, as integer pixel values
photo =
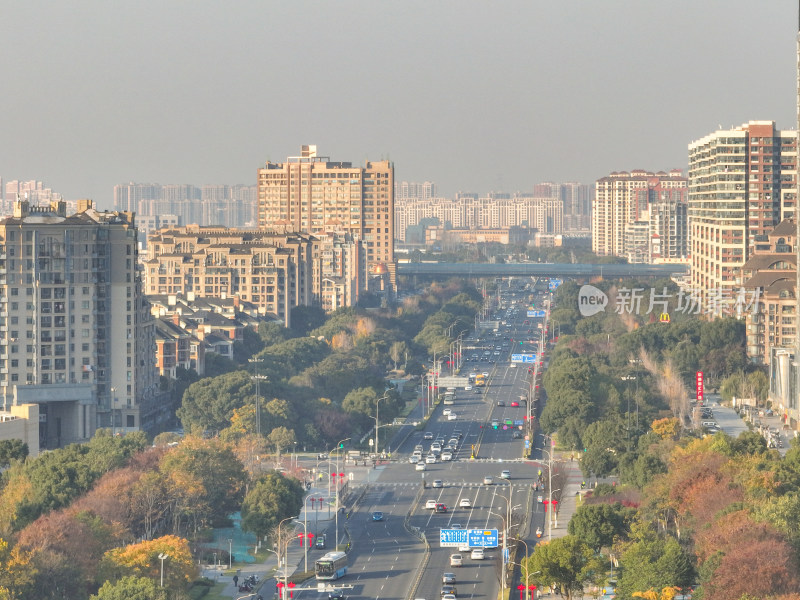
(505, 474)
(413, 459)
(431, 504)
(447, 455)
(420, 466)
(430, 459)
(452, 416)
(446, 411)
(465, 503)
(465, 548)
(512, 366)
(477, 554)
(467, 388)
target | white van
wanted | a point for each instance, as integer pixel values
(709, 424)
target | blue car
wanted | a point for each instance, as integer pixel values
(377, 516)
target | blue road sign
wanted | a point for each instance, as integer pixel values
(527, 443)
(523, 358)
(482, 538)
(505, 555)
(537, 313)
(452, 537)
(554, 283)
(518, 422)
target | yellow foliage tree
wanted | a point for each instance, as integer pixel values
(666, 429)
(16, 573)
(668, 593)
(342, 341)
(142, 560)
(364, 327)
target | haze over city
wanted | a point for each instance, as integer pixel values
(474, 96)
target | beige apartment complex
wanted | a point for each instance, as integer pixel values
(76, 334)
(312, 194)
(623, 206)
(273, 271)
(742, 183)
(769, 278)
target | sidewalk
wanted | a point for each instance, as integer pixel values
(569, 497)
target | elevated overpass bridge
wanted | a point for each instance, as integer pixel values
(612, 271)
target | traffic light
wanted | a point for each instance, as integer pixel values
(341, 445)
(494, 425)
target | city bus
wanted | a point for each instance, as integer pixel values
(480, 379)
(331, 566)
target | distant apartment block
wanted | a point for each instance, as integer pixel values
(417, 191)
(76, 334)
(314, 195)
(158, 206)
(742, 183)
(33, 191)
(471, 212)
(272, 271)
(641, 216)
(769, 278)
(577, 201)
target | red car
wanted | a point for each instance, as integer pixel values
(515, 403)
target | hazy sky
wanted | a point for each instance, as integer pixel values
(475, 96)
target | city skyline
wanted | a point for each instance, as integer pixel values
(100, 94)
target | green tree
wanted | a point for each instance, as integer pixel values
(131, 588)
(282, 438)
(653, 561)
(598, 525)
(205, 481)
(12, 450)
(307, 318)
(209, 403)
(567, 562)
(270, 499)
(360, 401)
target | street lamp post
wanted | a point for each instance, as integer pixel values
(377, 405)
(257, 378)
(304, 523)
(162, 557)
(113, 406)
(230, 553)
(339, 446)
(549, 487)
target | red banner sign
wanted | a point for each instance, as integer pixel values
(699, 386)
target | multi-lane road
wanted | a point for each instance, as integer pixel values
(386, 560)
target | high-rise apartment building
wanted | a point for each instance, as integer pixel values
(624, 200)
(312, 194)
(742, 182)
(76, 335)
